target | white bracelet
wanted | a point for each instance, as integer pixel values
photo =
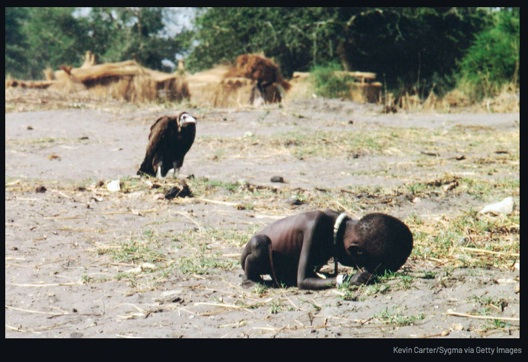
(339, 279)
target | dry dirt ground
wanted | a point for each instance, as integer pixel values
(82, 261)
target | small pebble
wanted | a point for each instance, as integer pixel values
(40, 189)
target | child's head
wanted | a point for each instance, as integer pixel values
(386, 242)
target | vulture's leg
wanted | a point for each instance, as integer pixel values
(158, 173)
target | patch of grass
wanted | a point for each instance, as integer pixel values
(28, 144)
(145, 262)
(329, 83)
(376, 288)
(414, 219)
(416, 189)
(404, 279)
(218, 154)
(488, 241)
(204, 265)
(203, 185)
(483, 189)
(37, 141)
(129, 184)
(394, 317)
(260, 289)
(237, 238)
(427, 274)
(496, 324)
(84, 184)
(136, 251)
(275, 307)
(487, 301)
(305, 144)
(130, 278)
(347, 294)
(85, 279)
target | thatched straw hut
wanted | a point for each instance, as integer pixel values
(253, 79)
(123, 80)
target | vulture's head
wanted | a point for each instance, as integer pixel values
(185, 119)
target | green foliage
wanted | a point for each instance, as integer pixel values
(397, 318)
(204, 264)
(123, 33)
(413, 49)
(296, 37)
(275, 307)
(136, 251)
(15, 41)
(38, 38)
(494, 58)
(52, 36)
(328, 83)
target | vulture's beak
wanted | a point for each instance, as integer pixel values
(187, 118)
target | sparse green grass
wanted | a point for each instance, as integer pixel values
(483, 189)
(488, 240)
(260, 289)
(85, 279)
(307, 143)
(275, 307)
(395, 317)
(150, 263)
(403, 279)
(347, 294)
(202, 185)
(487, 301)
(496, 324)
(203, 265)
(129, 184)
(382, 286)
(136, 251)
(427, 274)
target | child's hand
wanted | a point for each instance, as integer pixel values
(343, 278)
(361, 277)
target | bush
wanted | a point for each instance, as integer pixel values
(329, 83)
(493, 59)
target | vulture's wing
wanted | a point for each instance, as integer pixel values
(146, 166)
(158, 125)
(160, 133)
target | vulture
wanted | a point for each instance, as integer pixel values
(169, 140)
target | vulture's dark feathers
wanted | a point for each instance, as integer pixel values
(169, 141)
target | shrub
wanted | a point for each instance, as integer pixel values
(329, 83)
(493, 59)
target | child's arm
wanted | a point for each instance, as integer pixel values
(314, 232)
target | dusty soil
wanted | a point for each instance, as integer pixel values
(69, 274)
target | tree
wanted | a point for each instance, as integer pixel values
(288, 34)
(54, 37)
(133, 33)
(15, 42)
(38, 38)
(494, 57)
(413, 49)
